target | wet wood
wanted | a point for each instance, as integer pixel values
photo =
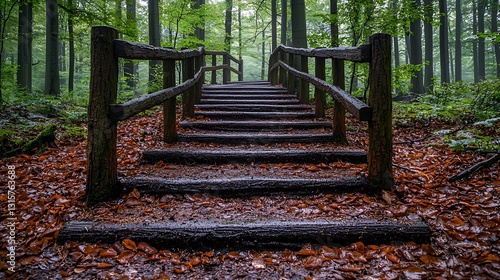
(252, 156)
(131, 50)
(244, 187)
(357, 54)
(256, 138)
(247, 115)
(250, 101)
(250, 126)
(476, 167)
(254, 107)
(207, 235)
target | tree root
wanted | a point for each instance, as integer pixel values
(478, 166)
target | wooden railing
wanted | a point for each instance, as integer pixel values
(104, 113)
(378, 113)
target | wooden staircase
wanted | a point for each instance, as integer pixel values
(251, 123)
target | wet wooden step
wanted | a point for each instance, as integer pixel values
(250, 101)
(253, 107)
(247, 115)
(254, 126)
(249, 96)
(211, 235)
(245, 90)
(256, 138)
(221, 156)
(244, 187)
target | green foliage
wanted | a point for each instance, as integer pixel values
(71, 131)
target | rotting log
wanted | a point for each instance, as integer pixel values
(244, 187)
(102, 179)
(46, 136)
(380, 173)
(252, 156)
(226, 234)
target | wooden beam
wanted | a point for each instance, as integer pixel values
(356, 54)
(131, 50)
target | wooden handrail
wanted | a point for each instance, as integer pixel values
(356, 107)
(104, 112)
(378, 112)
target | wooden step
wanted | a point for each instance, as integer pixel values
(210, 235)
(254, 126)
(253, 107)
(245, 90)
(256, 138)
(249, 96)
(250, 101)
(247, 115)
(221, 156)
(244, 187)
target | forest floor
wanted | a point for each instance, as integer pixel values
(464, 216)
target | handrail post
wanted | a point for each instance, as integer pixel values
(198, 63)
(188, 96)
(291, 78)
(319, 95)
(240, 70)
(339, 129)
(102, 177)
(226, 72)
(169, 107)
(304, 86)
(380, 173)
(272, 72)
(282, 71)
(214, 72)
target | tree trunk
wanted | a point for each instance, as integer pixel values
(154, 38)
(416, 53)
(240, 33)
(429, 46)
(481, 52)
(52, 82)
(494, 27)
(458, 41)
(443, 42)
(71, 34)
(474, 43)
(274, 20)
(228, 25)
(299, 36)
(25, 45)
(284, 21)
(129, 67)
(199, 31)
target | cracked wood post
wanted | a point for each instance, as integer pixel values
(304, 86)
(169, 107)
(102, 178)
(319, 95)
(380, 174)
(188, 96)
(214, 72)
(339, 129)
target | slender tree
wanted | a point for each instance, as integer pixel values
(274, 28)
(299, 36)
(284, 21)
(429, 46)
(129, 67)
(416, 52)
(494, 28)
(24, 45)
(71, 34)
(154, 36)
(443, 42)
(481, 51)
(52, 81)
(228, 25)
(474, 43)
(458, 40)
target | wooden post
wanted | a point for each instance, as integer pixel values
(272, 75)
(291, 78)
(282, 74)
(304, 86)
(226, 76)
(169, 107)
(102, 178)
(197, 88)
(214, 72)
(380, 152)
(188, 96)
(339, 129)
(240, 69)
(319, 95)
